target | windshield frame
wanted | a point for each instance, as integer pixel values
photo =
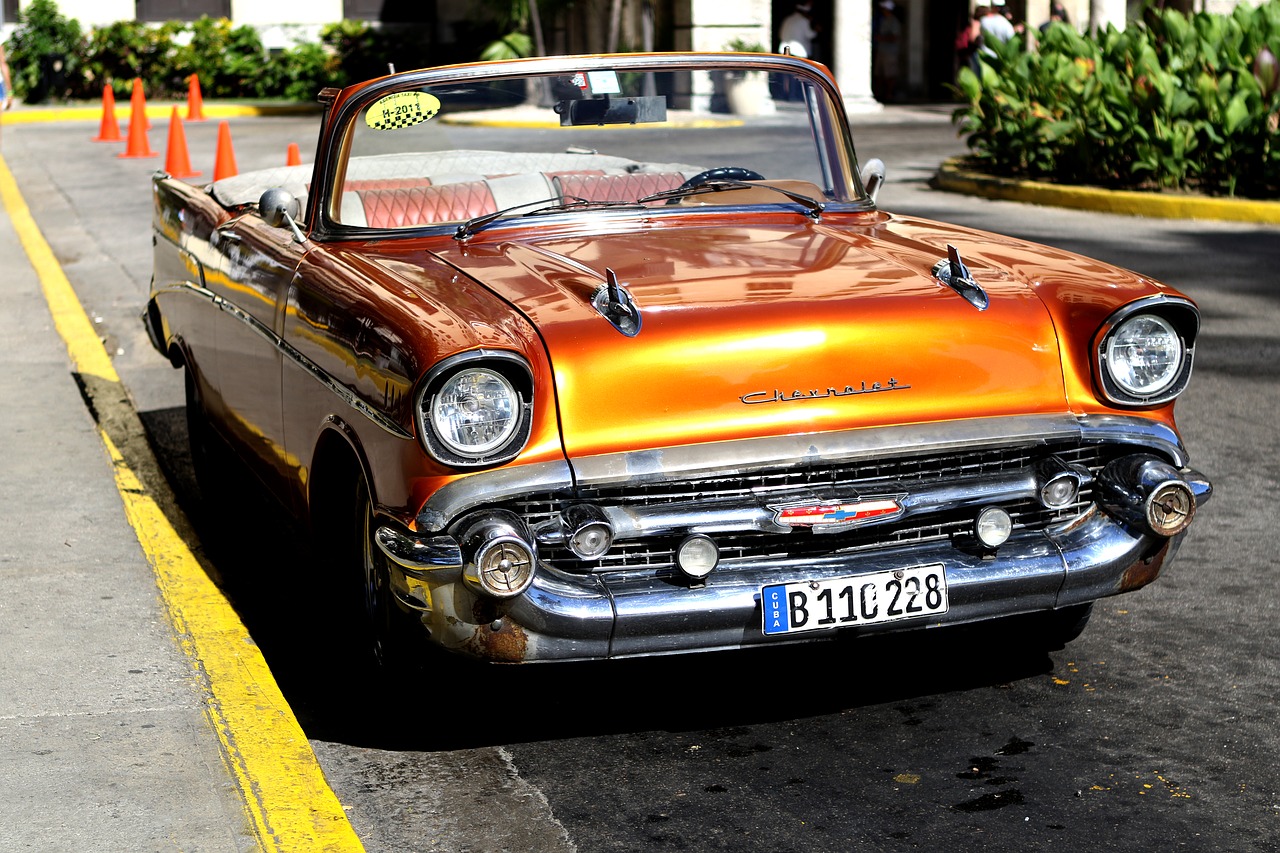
(827, 120)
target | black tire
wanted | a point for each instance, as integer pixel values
(211, 459)
(389, 633)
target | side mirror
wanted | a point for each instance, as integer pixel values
(277, 207)
(873, 176)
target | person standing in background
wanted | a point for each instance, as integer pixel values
(6, 85)
(995, 26)
(797, 33)
(886, 36)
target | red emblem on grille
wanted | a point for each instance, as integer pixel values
(822, 514)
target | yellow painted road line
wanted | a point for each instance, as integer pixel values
(287, 800)
(40, 115)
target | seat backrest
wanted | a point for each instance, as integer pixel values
(597, 186)
(409, 205)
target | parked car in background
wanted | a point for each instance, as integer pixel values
(626, 370)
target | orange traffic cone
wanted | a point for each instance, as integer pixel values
(176, 161)
(138, 145)
(224, 164)
(109, 130)
(293, 156)
(195, 102)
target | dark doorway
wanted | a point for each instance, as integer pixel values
(182, 10)
(389, 11)
(944, 21)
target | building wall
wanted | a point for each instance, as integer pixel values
(702, 25)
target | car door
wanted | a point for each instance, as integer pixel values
(256, 265)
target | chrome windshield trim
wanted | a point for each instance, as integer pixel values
(353, 99)
(728, 458)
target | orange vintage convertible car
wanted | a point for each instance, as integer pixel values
(604, 356)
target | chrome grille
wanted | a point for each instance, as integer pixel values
(865, 476)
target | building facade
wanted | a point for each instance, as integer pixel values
(456, 30)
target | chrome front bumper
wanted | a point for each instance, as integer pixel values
(571, 617)
(1113, 546)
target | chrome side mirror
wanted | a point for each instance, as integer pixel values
(277, 207)
(873, 176)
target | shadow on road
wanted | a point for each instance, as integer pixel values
(309, 636)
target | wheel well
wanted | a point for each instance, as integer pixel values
(335, 468)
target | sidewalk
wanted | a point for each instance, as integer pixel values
(136, 713)
(106, 740)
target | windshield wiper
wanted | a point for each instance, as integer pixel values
(475, 223)
(812, 207)
(555, 204)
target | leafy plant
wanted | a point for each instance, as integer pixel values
(1174, 103)
(741, 45)
(119, 52)
(44, 53)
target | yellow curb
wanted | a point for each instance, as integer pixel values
(161, 111)
(287, 800)
(954, 177)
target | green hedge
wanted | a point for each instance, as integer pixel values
(1171, 103)
(50, 59)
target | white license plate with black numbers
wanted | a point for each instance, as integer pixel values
(863, 600)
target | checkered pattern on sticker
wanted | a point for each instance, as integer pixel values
(399, 120)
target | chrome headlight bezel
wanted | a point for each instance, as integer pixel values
(1176, 321)
(509, 383)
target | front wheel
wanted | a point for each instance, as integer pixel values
(211, 459)
(387, 630)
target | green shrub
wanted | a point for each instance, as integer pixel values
(299, 73)
(44, 54)
(119, 52)
(50, 58)
(1176, 102)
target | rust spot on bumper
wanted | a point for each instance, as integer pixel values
(496, 638)
(1145, 570)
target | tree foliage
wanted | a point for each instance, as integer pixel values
(1175, 102)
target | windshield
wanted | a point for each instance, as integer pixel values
(464, 155)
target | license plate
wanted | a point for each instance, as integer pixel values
(863, 600)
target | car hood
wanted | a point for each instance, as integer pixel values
(769, 328)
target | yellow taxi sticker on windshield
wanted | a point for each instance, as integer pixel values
(401, 109)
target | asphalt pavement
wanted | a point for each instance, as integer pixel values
(118, 730)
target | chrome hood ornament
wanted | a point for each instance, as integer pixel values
(615, 304)
(952, 272)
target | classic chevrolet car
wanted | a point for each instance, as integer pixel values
(606, 356)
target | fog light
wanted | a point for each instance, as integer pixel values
(1059, 482)
(1059, 492)
(587, 531)
(504, 568)
(1170, 508)
(1147, 492)
(500, 559)
(697, 556)
(993, 527)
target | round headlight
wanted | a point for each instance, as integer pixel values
(476, 411)
(1144, 355)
